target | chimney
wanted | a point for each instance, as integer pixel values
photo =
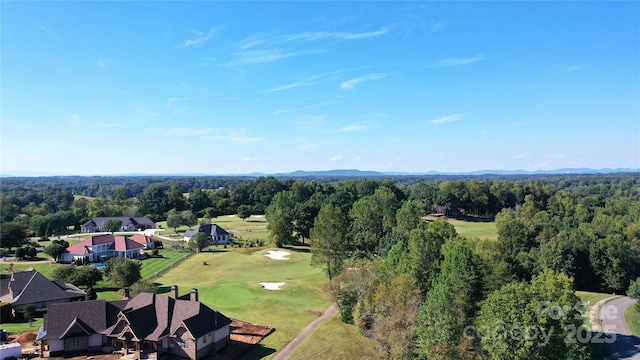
(174, 291)
(194, 295)
(126, 293)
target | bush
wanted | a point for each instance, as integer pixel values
(5, 312)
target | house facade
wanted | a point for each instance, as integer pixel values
(100, 247)
(128, 224)
(215, 234)
(31, 287)
(148, 325)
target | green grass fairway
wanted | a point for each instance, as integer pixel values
(632, 317)
(150, 266)
(473, 229)
(253, 228)
(346, 343)
(229, 283)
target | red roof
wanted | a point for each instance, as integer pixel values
(118, 243)
(141, 239)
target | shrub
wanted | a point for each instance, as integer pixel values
(5, 312)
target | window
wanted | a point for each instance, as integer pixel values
(184, 344)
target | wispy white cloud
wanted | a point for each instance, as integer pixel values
(283, 111)
(571, 68)
(264, 56)
(446, 119)
(259, 48)
(239, 137)
(107, 125)
(357, 159)
(169, 101)
(350, 84)
(189, 131)
(102, 64)
(313, 79)
(248, 158)
(438, 25)
(199, 39)
(549, 160)
(331, 35)
(335, 158)
(459, 61)
(350, 128)
(74, 120)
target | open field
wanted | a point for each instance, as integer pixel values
(473, 229)
(253, 228)
(229, 283)
(345, 342)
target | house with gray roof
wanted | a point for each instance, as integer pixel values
(148, 325)
(31, 287)
(215, 234)
(128, 224)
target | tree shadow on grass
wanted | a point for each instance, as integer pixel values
(258, 351)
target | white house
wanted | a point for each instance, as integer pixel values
(99, 247)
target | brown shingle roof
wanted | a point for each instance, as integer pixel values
(150, 317)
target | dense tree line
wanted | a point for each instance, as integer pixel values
(416, 287)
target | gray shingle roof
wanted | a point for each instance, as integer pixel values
(29, 287)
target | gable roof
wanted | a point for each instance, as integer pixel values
(79, 318)
(118, 243)
(213, 230)
(148, 316)
(141, 239)
(209, 229)
(30, 287)
(125, 220)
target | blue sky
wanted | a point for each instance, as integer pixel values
(237, 87)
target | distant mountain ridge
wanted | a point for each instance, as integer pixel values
(351, 173)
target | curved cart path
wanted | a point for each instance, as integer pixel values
(284, 353)
(625, 346)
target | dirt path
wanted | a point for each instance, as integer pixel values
(284, 353)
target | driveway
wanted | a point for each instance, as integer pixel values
(625, 346)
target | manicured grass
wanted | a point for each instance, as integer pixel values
(253, 228)
(152, 265)
(590, 298)
(473, 229)
(21, 326)
(345, 343)
(46, 268)
(632, 317)
(229, 283)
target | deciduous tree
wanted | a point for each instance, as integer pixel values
(112, 225)
(198, 241)
(329, 243)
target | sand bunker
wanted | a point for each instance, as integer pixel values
(277, 254)
(271, 285)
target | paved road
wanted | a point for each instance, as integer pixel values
(284, 353)
(625, 346)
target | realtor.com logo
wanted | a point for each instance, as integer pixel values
(541, 335)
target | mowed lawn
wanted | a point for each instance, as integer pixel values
(632, 317)
(473, 229)
(253, 228)
(228, 282)
(335, 340)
